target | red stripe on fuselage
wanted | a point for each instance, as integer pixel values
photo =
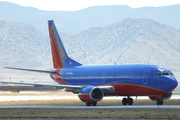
(57, 77)
(134, 90)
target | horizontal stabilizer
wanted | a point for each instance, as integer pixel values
(33, 70)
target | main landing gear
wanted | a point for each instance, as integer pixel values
(128, 101)
(91, 103)
(159, 102)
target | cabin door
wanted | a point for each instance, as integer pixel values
(145, 76)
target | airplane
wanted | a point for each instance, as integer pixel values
(94, 82)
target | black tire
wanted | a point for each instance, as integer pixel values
(157, 102)
(124, 101)
(88, 103)
(130, 101)
(94, 103)
(161, 102)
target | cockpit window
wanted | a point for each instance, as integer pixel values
(157, 74)
(165, 73)
(171, 73)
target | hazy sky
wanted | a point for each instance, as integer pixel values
(72, 5)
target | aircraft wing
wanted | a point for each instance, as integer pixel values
(69, 88)
(107, 89)
(40, 85)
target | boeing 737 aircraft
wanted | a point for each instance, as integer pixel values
(94, 82)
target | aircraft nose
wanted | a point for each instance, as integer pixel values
(173, 84)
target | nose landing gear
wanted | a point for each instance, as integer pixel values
(159, 102)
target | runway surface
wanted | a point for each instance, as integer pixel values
(8, 96)
(21, 96)
(132, 107)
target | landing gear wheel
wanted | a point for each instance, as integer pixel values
(94, 103)
(88, 103)
(130, 101)
(124, 101)
(159, 102)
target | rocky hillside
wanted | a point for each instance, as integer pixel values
(128, 41)
(23, 45)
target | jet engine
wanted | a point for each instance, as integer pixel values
(164, 97)
(91, 94)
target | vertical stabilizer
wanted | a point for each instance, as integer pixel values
(59, 55)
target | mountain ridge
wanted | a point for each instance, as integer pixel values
(73, 22)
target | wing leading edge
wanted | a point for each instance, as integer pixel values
(69, 88)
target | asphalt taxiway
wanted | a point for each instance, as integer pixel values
(132, 107)
(20, 96)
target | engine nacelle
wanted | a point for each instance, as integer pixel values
(164, 96)
(91, 94)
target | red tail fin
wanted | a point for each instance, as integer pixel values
(60, 58)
